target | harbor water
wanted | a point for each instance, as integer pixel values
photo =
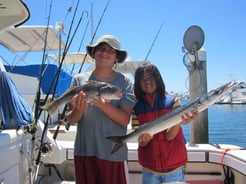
(226, 124)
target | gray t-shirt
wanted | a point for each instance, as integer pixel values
(95, 125)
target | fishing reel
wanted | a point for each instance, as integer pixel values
(46, 149)
(30, 128)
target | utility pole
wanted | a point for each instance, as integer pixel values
(198, 87)
(196, 54)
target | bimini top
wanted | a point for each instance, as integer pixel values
(73, 58)
(31, 38)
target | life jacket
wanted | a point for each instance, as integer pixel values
(160, 154)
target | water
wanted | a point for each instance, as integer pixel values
(226, 124)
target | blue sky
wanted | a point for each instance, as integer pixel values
(136, 23)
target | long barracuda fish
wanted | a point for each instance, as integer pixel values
(174, 117)
(91, 89)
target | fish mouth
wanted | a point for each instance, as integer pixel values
(119, 94)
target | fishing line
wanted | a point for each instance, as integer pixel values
(71, 25)
(93, 36)
(76, 29)
(83, 37)
(86, 28)
(68, 11)
(153, 42)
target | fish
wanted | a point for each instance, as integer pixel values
(174, 117)
(91, 88)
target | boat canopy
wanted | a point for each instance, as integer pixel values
(50, 70)
(31, 38)
(14, 110)
(73, 58)
(127, 67)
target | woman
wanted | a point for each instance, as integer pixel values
(163, 155)
(98, 119)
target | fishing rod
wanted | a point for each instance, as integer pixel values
(61, 121)
(64, 54)
(76, 29)
(93, 36)
(67, 45)
(37, 102)
(153, 42)
(67, 48)
(55, 78)
(81, 43)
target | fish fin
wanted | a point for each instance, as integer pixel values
(69, 90)
(50, 107)
(118, 141)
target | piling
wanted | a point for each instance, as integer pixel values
(197, 88)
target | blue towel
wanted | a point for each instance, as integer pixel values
(12, 105)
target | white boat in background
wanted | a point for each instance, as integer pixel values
(237, 96)
(210, 164)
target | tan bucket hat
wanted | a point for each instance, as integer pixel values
(113, 42)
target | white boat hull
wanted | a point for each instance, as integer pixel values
(205, 162)
(14, 159)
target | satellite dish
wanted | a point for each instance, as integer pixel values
(193, 39)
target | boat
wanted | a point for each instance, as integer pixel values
(237, 96)
(50, 160)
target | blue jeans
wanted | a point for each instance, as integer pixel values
(153, 178)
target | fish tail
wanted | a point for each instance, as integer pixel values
(50, 107)
(118, 141)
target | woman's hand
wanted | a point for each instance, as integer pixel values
(187, 118)
(144, 138)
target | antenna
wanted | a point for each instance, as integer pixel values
(60, 27)
(193, 39)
